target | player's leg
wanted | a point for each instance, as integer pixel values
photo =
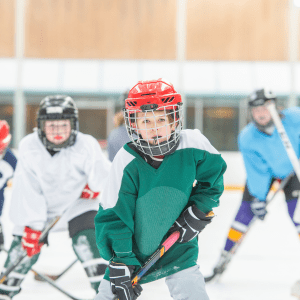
(82, 232)
(105, 292)
(291, 191)
(11, 286)
(237, 230)
(187, 284)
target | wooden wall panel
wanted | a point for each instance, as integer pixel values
(7, 10)
(107, 29)
(237, 30)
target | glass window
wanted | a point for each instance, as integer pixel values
(190, 117)
(31, 115)
(221, 127)
(93, 122)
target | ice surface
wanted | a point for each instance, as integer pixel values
(264, 268)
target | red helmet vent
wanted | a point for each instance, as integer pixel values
(131, 103)
(168, 99)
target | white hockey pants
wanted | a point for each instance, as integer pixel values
(187, 284)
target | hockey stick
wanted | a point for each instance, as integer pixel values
(167, 244)
(55, 277)
(53, 284)
(47, 279)
(288, 148)
(217, 275)
(24, 253)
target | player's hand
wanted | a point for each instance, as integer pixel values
(30, 241)
(120, 280)
(259, 208)
(87, 193)
(190, 223)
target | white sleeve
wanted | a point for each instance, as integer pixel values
(28, 205)
(97, 167)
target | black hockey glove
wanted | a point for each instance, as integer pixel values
(120, 280)
(259, 208)
(190, 223)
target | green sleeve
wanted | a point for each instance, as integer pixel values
(210, 186)
(115, 228)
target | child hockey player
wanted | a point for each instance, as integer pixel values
(265, 160)
(151, 188)
(55, 165)
(8, 163)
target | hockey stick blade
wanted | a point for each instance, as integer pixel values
(212, 277)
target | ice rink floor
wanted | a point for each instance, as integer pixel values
(264, 268)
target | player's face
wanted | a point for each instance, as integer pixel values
(57, 131)
(154, 126)
(261, 115)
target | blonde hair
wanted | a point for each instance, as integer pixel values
(119, 119)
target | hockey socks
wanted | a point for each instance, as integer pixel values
(11, 286)
(84, 245)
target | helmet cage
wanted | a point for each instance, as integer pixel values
(55, 117)
(153, 146)
(259, 98)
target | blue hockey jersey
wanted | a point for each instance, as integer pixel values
(7, 168)
(265, 156)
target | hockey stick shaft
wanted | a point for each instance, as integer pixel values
(281, 187)
(167, 244)
(53, 284)
(56, 277)
(24, 253)
(288, 148)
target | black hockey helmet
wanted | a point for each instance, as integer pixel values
(259, 97)
(57, 107)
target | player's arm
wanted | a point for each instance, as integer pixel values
(205, 195)
(97, 166)
(28, 204)
(114, 222)
(258, 174)
(209, 186)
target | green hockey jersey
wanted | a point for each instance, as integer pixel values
(140, 203)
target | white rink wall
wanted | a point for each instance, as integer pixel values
(235, 174)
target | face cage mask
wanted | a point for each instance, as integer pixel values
(152, 145)
(268, 128)
(53, 147)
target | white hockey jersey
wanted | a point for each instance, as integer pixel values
(45, 186)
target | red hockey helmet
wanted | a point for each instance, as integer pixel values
(5, 137)
(147, 97)
(152, 95)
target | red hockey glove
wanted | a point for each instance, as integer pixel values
(30, 241)
(87, 193)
